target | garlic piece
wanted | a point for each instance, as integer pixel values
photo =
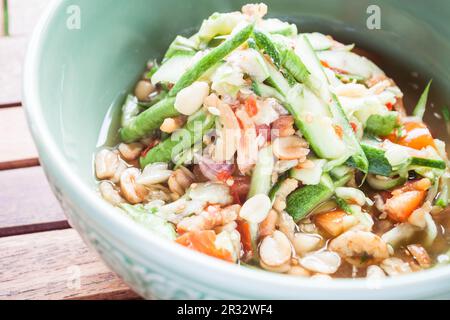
(190, 99)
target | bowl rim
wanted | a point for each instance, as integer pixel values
(217, 268)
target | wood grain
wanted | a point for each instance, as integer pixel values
(27, 203)
(16, 146)
(55, 265)
(23, 16)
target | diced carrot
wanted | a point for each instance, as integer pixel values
(414, 135)
(246, 237)
(204, 242)
(267, 226)
(331, 222)
(402, 205)
(250, 106)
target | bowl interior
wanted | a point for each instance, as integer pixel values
(84, 74)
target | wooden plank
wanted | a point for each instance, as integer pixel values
(55, 265)
(12, 54)
(23, 16)
(27, 204)
(16, 146)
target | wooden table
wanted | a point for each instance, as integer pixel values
(41, 257)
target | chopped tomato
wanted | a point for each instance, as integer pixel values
(250, 106)
(406, 199)
(339, 131)
(243, 228)
(239, 189)
(390, 106)
(414, 135)
(401, 206)
(204, 241)
(354, 127)
(223, 176)
(332, 222)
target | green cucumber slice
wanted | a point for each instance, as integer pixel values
(172, 70)
(175, 144)
(379, 165)
(141, 125)
(302, 201)
(210, 59)
(261, 182)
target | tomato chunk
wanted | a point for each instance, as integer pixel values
(401, 206)
(204, 242)
(414, 135)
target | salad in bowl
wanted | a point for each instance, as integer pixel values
(260, 145)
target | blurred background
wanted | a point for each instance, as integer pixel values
(41, 257)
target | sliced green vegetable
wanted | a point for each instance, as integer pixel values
(379, 164)
(219, 24)
(264, 42)
(150, 221)
(319, 83)
(276, 187)
(210, 59)
(303, 200)
(385, 183)
(343, 205)
(149, 120)
(180, 45)
(192, 132)
(421, 106)
(261, 182)
(382, 125)
(173, 68)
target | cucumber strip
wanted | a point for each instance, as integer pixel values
(385, 183)
(319, 83)
(420, 108)
(210, 59)
(265, 91)
(379, 165)
(382, 124)
(149, 120)
(180, 45)
(261, 182)
(264, 42)
(282, 56)
(303, 200)
(274, 191)
(173, 68)
(343, 205)
(192, 132)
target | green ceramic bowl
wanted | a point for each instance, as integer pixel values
(77, 77)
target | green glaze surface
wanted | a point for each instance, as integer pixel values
(75, 79)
